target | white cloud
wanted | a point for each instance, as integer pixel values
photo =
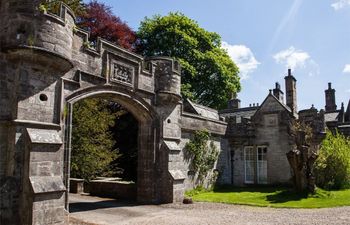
(346, 68)
(339, 4)
(243, 57)
(292, 58)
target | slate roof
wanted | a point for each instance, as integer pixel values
(331, 116)
(248, 112)
(201, 110)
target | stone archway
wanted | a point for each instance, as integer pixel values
(147, 135)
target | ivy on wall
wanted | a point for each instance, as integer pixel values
(203, 155)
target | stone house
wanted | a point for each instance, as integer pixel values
(259, 136)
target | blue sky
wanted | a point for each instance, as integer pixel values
(265, 38)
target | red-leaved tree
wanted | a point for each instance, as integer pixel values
(100, 21)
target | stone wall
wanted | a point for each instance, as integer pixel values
(113, 189)
(191, 123)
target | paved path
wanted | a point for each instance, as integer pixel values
(104, 211)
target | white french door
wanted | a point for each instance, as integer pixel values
(249, 165)
(261, 165)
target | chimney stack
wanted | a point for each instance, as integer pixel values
(330, 99)
(234, 102)
(278, 93)
(291, 92)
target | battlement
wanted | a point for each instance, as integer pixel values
(45, 33)
(30, 33)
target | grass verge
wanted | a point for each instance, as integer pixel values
(272, 197)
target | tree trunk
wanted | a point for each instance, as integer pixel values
(301, 162)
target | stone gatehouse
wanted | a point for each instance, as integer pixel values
(46, 66)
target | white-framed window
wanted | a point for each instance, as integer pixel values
(261, 161)
(249, 164)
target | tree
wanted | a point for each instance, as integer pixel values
(302, 158)
(209, 76)
(100, 21)
(92, 141)
(333, 164)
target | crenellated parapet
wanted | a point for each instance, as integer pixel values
(168, 76)
(27, 32)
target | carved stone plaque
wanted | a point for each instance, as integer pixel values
(122, 73)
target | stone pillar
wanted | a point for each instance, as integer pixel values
(168, 106)
(35, 53)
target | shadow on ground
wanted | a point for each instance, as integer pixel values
(273, 194)
(75, 207)
(285, 196)
(261, 189)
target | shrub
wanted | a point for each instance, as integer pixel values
(203, 154)
(332, 167)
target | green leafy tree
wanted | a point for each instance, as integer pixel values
(209, 75)
(92, 142)
(203, 154)
(333, 164)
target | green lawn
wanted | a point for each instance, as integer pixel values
(273, 197)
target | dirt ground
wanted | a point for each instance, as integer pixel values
(87, 210)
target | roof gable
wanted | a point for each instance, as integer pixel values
(272, 104)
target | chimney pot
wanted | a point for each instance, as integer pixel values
(278, 86)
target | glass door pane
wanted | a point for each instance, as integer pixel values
(262, 165)
(249, 164)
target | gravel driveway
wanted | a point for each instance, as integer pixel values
(95, 210)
